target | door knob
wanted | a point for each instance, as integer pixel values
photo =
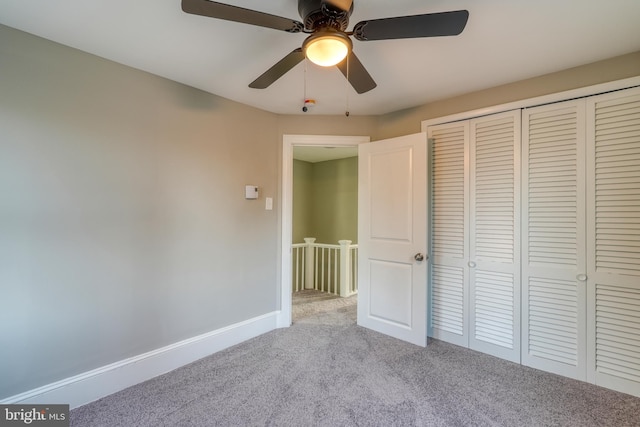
(418, 257)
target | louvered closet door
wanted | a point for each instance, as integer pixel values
(494, 244)
(449, 250)
(553, 234)
(614, 240)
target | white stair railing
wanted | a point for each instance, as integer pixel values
(324, 267)
(298, 261)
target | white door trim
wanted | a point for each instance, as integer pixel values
(288, 142)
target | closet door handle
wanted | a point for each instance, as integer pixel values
(581, 277)
(471, 264)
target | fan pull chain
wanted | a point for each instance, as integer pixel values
(346, 113)
(307, 102)
(304, 92)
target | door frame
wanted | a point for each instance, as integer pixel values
(286, 206)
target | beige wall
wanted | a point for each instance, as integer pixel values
(409, 121)
(326, 125)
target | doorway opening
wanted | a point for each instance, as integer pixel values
(313, 148)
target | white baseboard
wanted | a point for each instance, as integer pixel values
(95, 384)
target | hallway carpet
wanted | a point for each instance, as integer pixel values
(309, 302)
(326, 371)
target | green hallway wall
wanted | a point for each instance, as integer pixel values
(325, 200)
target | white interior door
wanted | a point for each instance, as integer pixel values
(392, 235)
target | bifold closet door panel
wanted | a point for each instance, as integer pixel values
(450, 227)
(494, 235)
(613, 277)
(553, 234)
(475, 270)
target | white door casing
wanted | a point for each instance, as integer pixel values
(286, 196)
(392, 232)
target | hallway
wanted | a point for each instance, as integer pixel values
(308, 302)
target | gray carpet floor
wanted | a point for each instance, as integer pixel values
(326, 371)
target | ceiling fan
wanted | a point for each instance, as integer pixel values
(329, 44)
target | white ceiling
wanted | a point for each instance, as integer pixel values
(504, 41)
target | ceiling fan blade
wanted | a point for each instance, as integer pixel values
(406, 27)
(344, 5)
(357, 75)
(227, 12)
(278, 70)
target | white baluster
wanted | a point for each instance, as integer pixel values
(354, 271)
(345, 267)
(309, 259)
(323, 250)
(336, 281)
(296, 268)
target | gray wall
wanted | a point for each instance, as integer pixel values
(123, 223)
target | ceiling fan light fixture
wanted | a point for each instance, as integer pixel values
(327, 48)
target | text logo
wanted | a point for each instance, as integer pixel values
(34, 415)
